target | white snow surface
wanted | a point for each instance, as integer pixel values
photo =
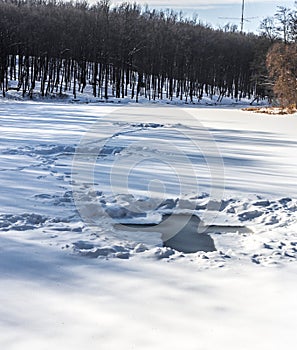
(71, 279)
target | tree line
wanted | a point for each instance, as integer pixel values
(59, 47)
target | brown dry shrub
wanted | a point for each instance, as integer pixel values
(291, 109)
(282, 67)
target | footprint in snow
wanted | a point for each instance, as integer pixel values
(250, 215)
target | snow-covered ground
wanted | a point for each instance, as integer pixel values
(73, 275)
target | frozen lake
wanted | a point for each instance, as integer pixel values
(216, 184)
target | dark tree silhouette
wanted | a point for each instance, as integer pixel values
(56, 47)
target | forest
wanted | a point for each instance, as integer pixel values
(127, 50)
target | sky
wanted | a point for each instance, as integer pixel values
(211, 11)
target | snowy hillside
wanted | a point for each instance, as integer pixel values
(146, 227)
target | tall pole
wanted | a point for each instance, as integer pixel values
(242, 17)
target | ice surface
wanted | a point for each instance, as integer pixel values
(71, 275)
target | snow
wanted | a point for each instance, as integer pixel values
(73, 176)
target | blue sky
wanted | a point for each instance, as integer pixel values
(210, 11)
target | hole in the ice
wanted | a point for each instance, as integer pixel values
(190, 238)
